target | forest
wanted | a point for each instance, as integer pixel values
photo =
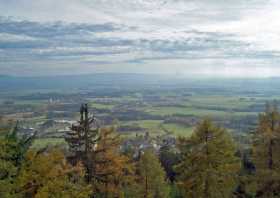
(208, 163)
(139, 99)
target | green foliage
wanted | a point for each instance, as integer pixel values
(266, 153)
(41, 143)
(178, 130)
(169, 157)
(175, 192)
(209, 166)
(206, 165)
(8, 171)
(152, 178)
(16, 147)
(12, 153)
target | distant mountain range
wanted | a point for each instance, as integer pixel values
(78, 81)
(121, 81)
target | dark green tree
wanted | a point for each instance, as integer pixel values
(82, 140)
(12, 153)
(108, 171)
(169, 157)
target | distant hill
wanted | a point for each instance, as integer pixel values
(77, 81)
(127, 81)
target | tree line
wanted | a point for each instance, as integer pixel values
(208, 164)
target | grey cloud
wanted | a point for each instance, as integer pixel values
(52, 30)
(61, 43)
(58, 40)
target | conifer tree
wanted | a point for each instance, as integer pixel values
(82, 140)
(12, 152)
(8, 170)
(169, 157)
(113, 171)
(107, 170)
(266, 153)
(47, 174)
(152, 177)
(209, 166)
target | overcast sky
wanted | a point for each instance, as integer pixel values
(227, 38)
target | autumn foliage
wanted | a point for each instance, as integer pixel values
(208, 164)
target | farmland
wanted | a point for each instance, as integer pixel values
(159, 107)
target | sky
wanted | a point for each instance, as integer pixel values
(217, 38)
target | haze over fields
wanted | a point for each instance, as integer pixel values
(139, 98)
(199, 38)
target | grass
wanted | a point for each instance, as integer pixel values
(184, 111)
(101, 106)
(199, 112)
(227, 102)
(156, 127)
(151, 126)
(44, 142)
(31, 102)
(178, 130)
(147, 124)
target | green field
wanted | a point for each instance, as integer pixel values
(101, 106)
(148, 124)
(192, 111)
(44, 142)
(145, 108)
(157, 127)
(178, 130)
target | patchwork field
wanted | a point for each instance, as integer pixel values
(159, 109)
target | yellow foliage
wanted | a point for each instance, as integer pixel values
(48, 175)
(209, 167)
(113, 170)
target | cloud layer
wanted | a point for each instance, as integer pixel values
(194, 37)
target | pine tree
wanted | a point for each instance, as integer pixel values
(107, 170)
(209, 166)
(169, 157)
(8, 170)
(152, 177)
(12, 152)
(82, 140)
(266, 153)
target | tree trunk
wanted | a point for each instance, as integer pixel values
(270, 156)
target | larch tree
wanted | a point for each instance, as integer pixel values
(209, 166)
(47, 174)
(152, 177)
(114, 172)
(266, 153)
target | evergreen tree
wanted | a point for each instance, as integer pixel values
(266, 153)
(169, 157)
(12, 152)
(8, 170)
(152, 177)
(82, 140)
(245, 188)
(209, 166)
(107, 170)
